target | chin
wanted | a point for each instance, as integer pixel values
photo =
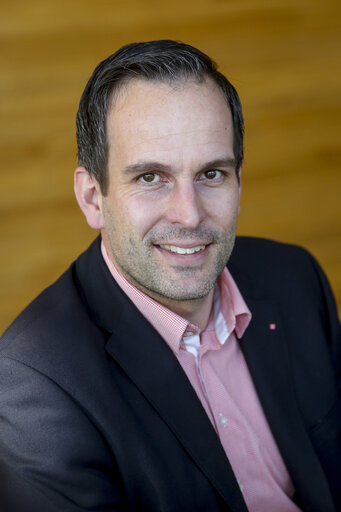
(186, 294)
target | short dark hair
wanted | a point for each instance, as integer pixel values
(163, 61)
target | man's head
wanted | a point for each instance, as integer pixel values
(157, 61)
(168, 201)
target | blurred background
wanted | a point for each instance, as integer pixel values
(284, 58)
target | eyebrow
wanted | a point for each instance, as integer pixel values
(153, 166)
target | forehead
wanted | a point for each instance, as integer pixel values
(148, 117)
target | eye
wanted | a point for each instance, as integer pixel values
(212, 174)
(149, 177)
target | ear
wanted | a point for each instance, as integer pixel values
(89, 197)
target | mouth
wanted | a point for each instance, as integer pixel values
(183, 250)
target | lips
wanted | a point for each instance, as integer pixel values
(183, 250)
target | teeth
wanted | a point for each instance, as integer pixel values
(183, 250)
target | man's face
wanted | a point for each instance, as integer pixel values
(173, 197)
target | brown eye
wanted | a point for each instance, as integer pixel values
(212, 174)
(149, 177)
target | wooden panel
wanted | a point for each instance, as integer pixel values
(284, 59)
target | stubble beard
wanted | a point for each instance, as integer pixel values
(135, 259)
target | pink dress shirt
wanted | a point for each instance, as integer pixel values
(215, 366)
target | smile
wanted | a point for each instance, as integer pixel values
(183, 250)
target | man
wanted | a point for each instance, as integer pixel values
(149, 377)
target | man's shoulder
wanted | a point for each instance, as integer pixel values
(262, 265)
(47, 315)
(258, 248)
(56, 316)
(251, 253)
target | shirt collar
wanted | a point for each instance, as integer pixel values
(230, 310)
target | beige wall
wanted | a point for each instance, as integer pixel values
(284, 59)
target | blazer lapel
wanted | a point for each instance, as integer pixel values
(265, 352)
(154, 369)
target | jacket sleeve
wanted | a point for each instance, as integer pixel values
(329, 431)
(332, 326)
(52, 456)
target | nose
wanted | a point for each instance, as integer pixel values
(185, 206)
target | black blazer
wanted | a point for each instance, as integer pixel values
(97, 414)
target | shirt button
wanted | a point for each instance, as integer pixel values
(223, 420)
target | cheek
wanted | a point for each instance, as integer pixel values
(140, 214)
(224, 209)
